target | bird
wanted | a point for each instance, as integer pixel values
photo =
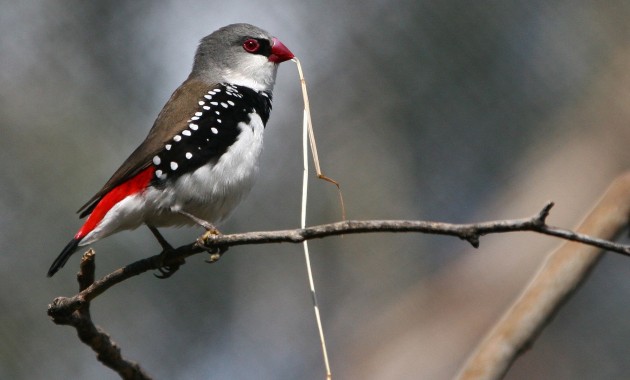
(200, 158)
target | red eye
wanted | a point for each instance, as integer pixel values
(251, 45)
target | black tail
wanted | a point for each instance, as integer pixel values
(60, 261)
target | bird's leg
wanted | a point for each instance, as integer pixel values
(165, 245)
(211, 230)
(205, 224)
(166, 271)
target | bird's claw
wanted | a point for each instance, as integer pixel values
(214, 251)
(215, 254)
(210, 233)
(166, 271)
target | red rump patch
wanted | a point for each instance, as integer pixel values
(132, 186)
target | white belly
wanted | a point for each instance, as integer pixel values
(214, 190)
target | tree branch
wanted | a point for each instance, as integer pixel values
(107, 351)
(555, 282)
(65, 310)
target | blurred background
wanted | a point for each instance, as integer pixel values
(437, 110)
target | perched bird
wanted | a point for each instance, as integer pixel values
(201, 155)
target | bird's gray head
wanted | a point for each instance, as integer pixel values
(241, 54)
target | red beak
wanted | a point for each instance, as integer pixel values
(279, 52)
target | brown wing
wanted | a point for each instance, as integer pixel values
(171, 120)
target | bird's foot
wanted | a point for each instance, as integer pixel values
(214, 251)
(215, 254)
(209, 234)
(167, 271)
(167, 264)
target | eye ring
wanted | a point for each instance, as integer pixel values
(251, 45)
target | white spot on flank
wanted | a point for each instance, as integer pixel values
(224, 105)
(219, 121)
(193, 126)
(186, 132)
(208, 97)
(168, 146)
(188, 155)
(158, 173)
(206, 108)
(194, 118)
(230, 102)
(214, 130)
(177, 137)
(201, 102)
(198, 113)
(156, 160)
(214, 103)
(174, 165)
(217, 112)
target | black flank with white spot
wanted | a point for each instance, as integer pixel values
(210, 131)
